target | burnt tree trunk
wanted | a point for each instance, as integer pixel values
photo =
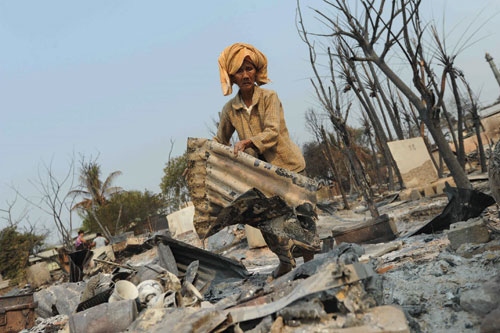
(477, 126)
(377, 126)
(455, 168)
(375, 160)
(389, 132)
(358, 172)
(392, 116)
(460, 120)
(336, 175)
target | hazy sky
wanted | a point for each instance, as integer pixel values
(122, 78)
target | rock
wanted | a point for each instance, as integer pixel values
(38, 275)
(106, 317)
(491, 323)
(64, 298)
(468, 250)
(482, 300)
(471, 231)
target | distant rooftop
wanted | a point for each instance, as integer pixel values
(490, 110)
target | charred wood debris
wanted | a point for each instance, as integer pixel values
(426, 264)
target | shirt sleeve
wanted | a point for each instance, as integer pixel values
(268, 138)
(225, 130)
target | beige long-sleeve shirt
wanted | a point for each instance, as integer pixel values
(264, 126)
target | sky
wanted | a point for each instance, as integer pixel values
(121, 79)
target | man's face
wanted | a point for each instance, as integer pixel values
(245, 76)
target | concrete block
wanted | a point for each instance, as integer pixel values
(471, 231)
(405, 194)
(414, 161)
(181, 221)
(254, 237)
(415, 194)
(38, 275)
(439, 188)
(429, 191)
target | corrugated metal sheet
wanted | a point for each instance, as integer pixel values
(216, 177)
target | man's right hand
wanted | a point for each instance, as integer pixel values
(242, 145)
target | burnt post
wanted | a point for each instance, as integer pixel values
(493, 66)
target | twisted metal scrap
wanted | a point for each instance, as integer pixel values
(216, 178)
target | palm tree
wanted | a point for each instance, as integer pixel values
(95, 192)
(93, 189)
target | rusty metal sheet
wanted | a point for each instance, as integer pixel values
(378, 230)
(17, 313)
(216, 177)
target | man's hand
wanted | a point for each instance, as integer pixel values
(241, 146)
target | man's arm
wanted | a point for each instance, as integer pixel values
(225, 129)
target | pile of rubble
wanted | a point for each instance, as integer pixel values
(154, 289)
(447, 281)
(426, 264)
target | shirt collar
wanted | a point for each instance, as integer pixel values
(238, 102)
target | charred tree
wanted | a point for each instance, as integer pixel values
(329, 98)
(399, 23)
(477, 125)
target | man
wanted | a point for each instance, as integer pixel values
(256, 114)
(100, 241)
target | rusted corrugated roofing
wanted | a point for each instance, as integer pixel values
(216, 177)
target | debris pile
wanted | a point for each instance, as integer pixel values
(424, 265)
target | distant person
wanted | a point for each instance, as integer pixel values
(100, 241)
(80, 243)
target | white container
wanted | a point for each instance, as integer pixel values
(148, 290)
(123, 290)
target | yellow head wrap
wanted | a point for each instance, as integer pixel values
(231, 59)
